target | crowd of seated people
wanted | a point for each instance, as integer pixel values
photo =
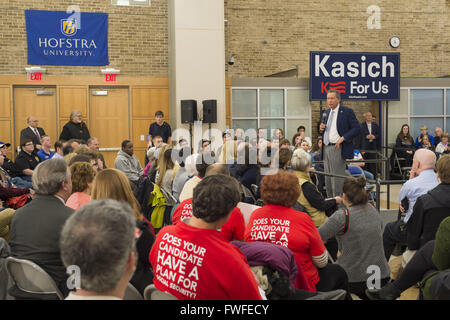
(71, 205)
(406, 145)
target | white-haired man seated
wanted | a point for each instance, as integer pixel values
(99, 242)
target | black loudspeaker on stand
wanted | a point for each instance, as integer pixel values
(189, 114)
(188, 111)
(210, 111)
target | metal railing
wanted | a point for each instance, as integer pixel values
(378, 182)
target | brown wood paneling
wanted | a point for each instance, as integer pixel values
(146, 101)
(148, 94)
(5, 135)
(146, 82)
(140, 129)
(5, 102)
(72, 98)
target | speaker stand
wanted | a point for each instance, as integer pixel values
(190, 133)
(209, 131)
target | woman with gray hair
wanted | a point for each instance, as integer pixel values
(310, 197)
(103, 270)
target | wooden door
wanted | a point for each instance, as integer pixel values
(35, 102)
(109, 120)
(6, 134)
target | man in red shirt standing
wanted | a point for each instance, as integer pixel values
(233, 229)
(191, 260)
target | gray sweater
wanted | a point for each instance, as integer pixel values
(178, 182)
(362, 245)
(129, 165)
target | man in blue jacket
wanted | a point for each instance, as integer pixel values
(339, 127)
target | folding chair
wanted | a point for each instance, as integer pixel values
(5, 252)
(30, 278)
(397, 165)
(247, 195)
(152, 293)
(131, 293)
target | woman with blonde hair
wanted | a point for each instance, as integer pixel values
(113, 184)
(82, 177)
(165, 168)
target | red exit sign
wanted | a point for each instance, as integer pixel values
(111, 77)
(35, 76)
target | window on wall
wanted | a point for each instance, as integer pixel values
(271, 108)
(418, 107)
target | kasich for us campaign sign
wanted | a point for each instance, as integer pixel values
(356, 75)
(60, 38)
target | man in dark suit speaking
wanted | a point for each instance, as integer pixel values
(339, 126)
(32, 132)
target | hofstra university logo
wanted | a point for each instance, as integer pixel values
(67, 46)
(68, 27)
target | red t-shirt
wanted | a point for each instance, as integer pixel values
(233, 229)
(197, 264)
(290, 228)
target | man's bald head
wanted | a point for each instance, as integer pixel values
(424, 159)
(217, 168)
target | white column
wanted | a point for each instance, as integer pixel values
(196, 58)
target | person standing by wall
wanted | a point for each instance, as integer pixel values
(160, 128)
(339, 128)
(75, 128)
(368, 141)
(33, 132)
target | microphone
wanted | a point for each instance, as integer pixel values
(324, 120)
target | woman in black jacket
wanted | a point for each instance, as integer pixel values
(404, 146)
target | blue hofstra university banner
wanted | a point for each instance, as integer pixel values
(357, 75)
(60, 38)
